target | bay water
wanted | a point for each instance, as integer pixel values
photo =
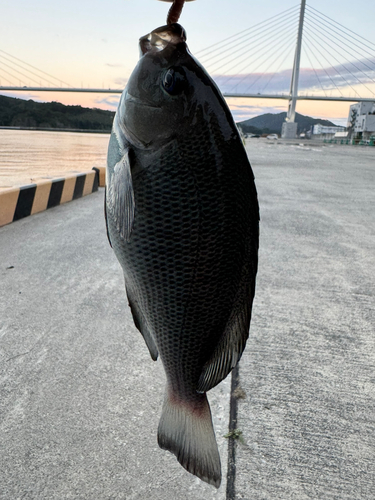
(27, 156)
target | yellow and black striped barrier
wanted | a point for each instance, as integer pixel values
(16, 203)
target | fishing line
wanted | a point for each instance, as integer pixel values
(175, 11)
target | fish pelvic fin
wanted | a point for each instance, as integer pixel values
(186, 430)
(142, 326)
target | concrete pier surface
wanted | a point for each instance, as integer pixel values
(80, 398)
(308, 419)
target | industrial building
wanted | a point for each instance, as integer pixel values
(361, 120)
(324, 132)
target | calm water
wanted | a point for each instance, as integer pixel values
(26, 156)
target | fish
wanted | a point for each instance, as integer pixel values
(182, 217)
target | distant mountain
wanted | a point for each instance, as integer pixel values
(30, 114)
(271, 123)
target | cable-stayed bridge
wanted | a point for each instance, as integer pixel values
(329, 61)
(335, 61)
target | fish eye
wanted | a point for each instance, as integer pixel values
(169, 81)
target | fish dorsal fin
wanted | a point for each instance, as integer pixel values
(232, 344)
(120, 202)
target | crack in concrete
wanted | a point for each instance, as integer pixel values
(233, 411)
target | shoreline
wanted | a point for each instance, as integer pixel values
(46, 129)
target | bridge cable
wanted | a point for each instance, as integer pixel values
(260, 52)
(342, 34)
(289, 46)
(342, 65)
(34, 67)
(246, 30)
(6, 79)
(20, 66)
(278, 68)
(336, 23)
(218, 53)
(316, 74)
(20, 72)
(330, 65)
(253, 73)
(245, 50)
(323, 68)
(230, 77)
(13, 76)
(350, 62)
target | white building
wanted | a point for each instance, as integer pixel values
(323, 132)
(362, 120)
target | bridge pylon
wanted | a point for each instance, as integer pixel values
(289, 128)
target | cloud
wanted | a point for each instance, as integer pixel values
(254, 83)
(23, 95)
(111, 102)
(242, 110)
(121, 82)
(356, 76)
(111, 65)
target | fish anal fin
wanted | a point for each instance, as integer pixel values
(186, 430)
(141, 325)
(229, 350)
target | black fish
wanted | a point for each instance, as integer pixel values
(182, 217)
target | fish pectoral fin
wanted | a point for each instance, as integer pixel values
(106, 218)
(120, 203)
(141, 325)
(229, 350)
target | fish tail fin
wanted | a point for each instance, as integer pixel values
(186, 430)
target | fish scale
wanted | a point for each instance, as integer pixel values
(170, 240)
(182, 217)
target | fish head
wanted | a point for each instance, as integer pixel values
(169, 93)
(156, 103)
(155, 97)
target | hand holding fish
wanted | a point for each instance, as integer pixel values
(175, 11)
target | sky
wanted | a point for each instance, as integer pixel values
(94, 43)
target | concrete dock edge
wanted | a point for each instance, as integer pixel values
(19, 202)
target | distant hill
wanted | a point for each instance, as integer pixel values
(30, 114)
(271, 123)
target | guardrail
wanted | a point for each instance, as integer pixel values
(352, 142)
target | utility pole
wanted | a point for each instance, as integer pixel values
(289, 129)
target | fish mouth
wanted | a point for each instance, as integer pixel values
(137, 108)
(160, 38)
